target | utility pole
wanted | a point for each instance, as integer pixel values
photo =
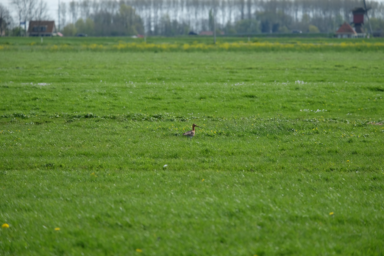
(58, 10)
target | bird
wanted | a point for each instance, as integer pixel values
(190, 134)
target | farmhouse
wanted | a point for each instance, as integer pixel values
(41, 28)
(346, 31)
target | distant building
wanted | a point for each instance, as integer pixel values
(346, 31)
(206, 33)
(41, 28)
(358, 19)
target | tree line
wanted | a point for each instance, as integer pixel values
(180, 17)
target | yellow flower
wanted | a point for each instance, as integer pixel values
(347, 161)
(57, 229)
(139, 250)
(331, 213)
(5, 225)
(202, 180)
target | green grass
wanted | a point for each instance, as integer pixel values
(285, 139)
(24, 41)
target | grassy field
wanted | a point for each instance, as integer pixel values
(288, 159)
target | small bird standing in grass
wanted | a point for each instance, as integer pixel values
(190, 134)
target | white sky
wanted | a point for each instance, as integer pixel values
(53, 6)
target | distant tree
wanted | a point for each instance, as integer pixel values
(127, 17)
(41, 11)
(339, 20)
(247, 27)
(305, 21)
(5, 19)
(124, 22)
(165, 26)
(24, 9)
(270, 21)
(69, 30)
(30, 9)
(89, 26)
(313, 29)
(168, 27)
(229, 29)
(17, 31)
(63, 14)
(242, 9)
(102, 21)
(131, 22)
(377, 24)
(320, 23)
(73, 10)
(211, 20)
(85, 8)
(80, 26)
(284, 29)
(85, 27)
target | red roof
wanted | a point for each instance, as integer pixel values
(346, 29)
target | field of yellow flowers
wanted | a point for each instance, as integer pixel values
(287, 158)
(189, 45)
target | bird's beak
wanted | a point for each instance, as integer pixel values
(197, 126)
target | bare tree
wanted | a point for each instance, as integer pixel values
(5, 19)
(95, 6)
(73, 10)
(85, 8)
(24, 8)
(41, 11)
(285, 15)
(28, 10)
(62, 14)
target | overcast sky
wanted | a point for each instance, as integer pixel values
(53, 5)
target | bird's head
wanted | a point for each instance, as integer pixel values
(195, 125)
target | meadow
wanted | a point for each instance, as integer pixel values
(288, 158)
